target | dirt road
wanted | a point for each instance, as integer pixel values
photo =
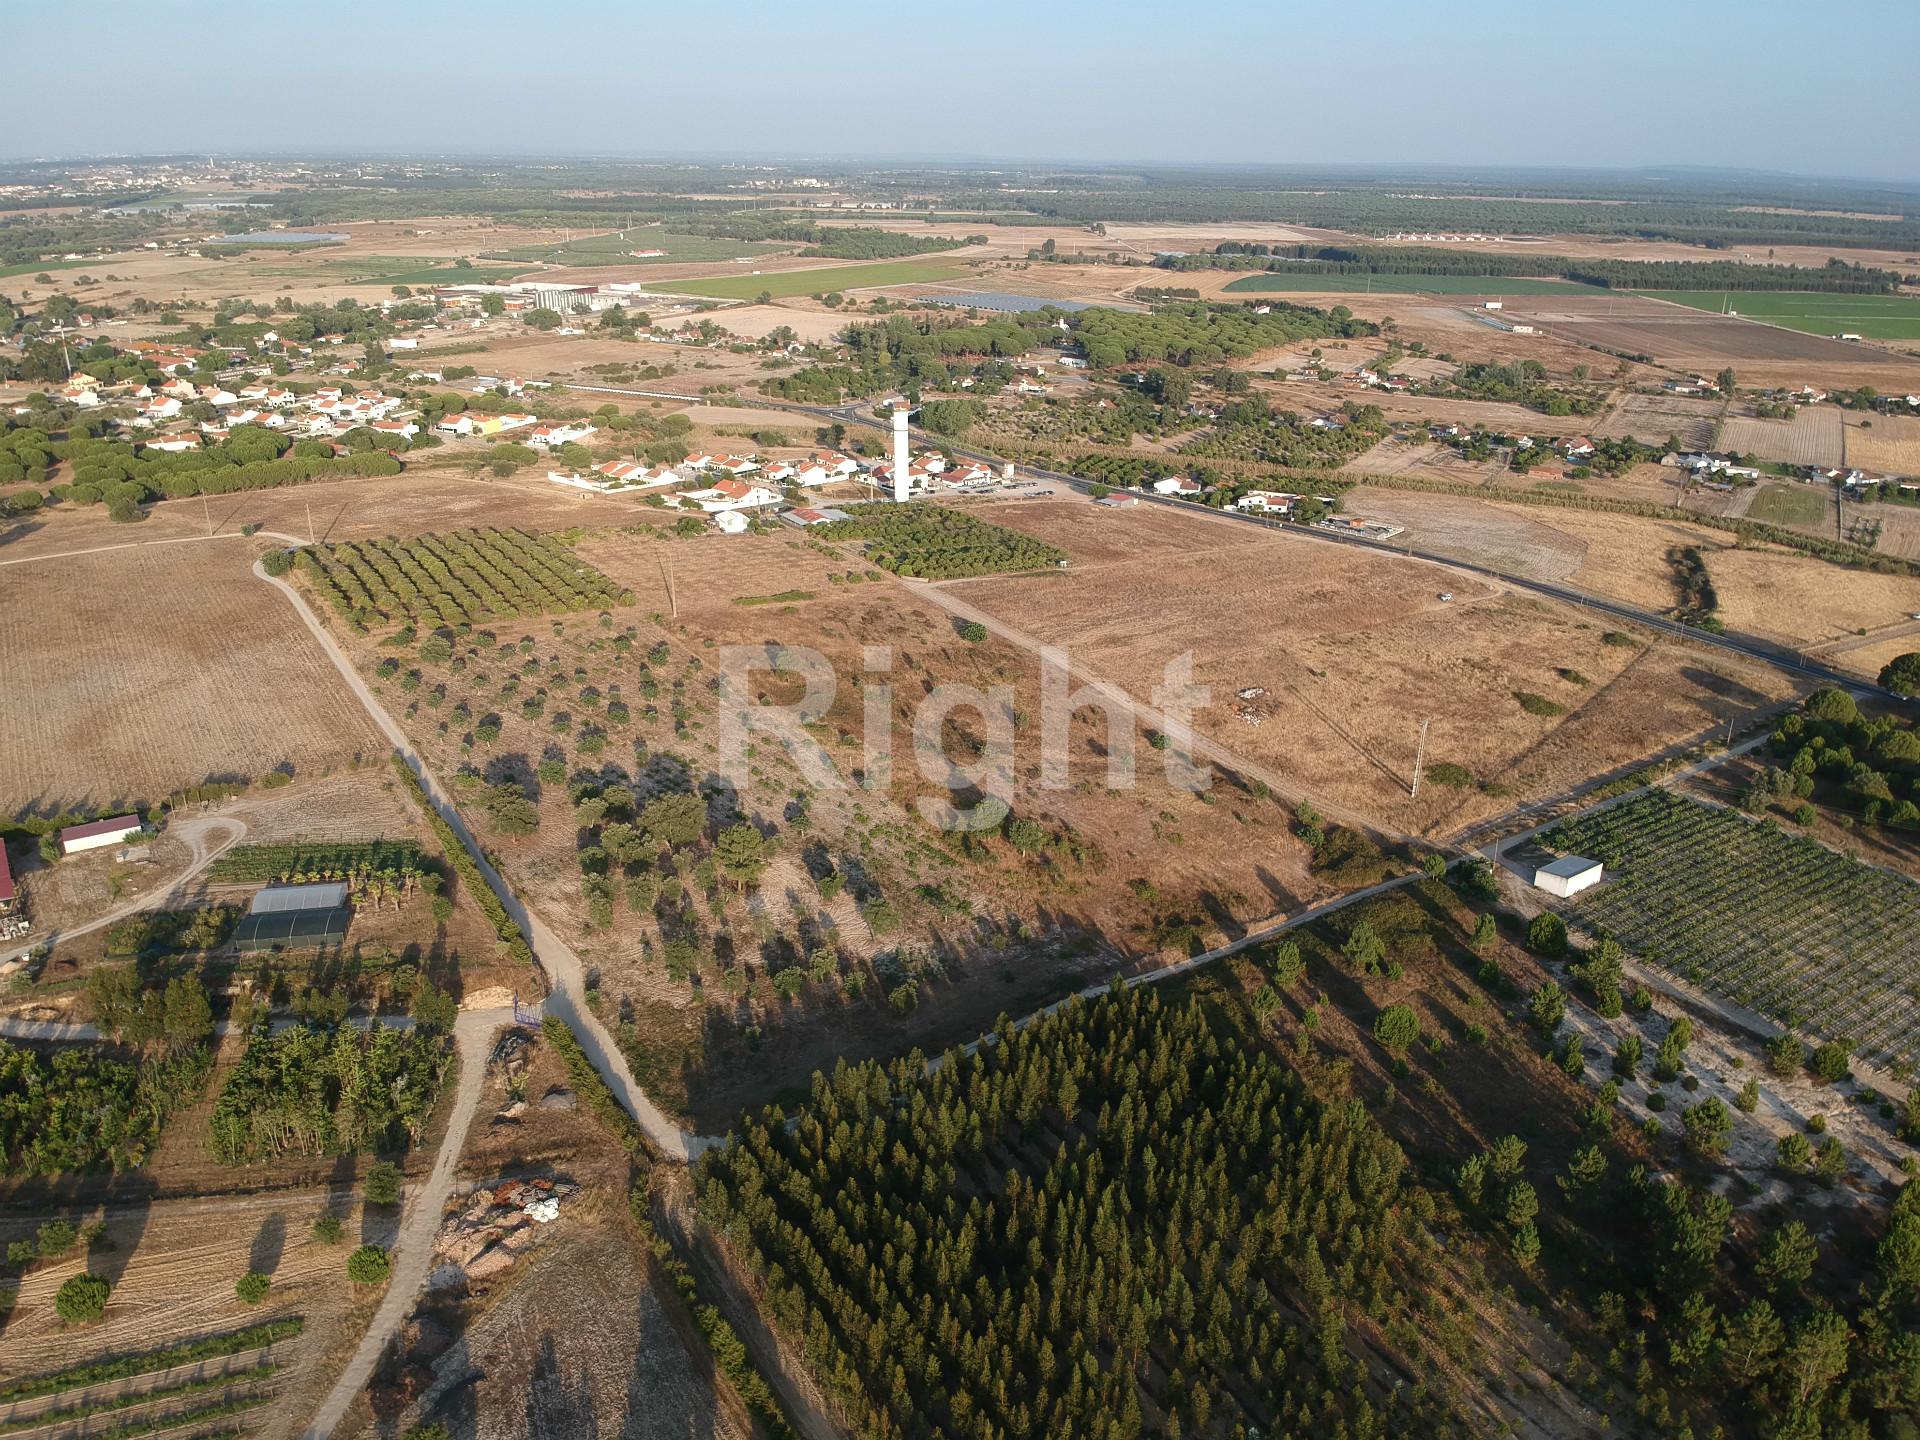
(426, 1204)
(563, 967)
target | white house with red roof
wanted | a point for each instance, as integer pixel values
(561, 432)
(732, 495)
(1177, 485)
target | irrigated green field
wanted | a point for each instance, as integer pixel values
(616, 247)
(1789, 505)
(1405, 284)
(822, 279)
(1876, 317)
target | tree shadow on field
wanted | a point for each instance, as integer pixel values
(18, 531)
(1283, 898)
(648, 1416)
(1717, 684)
(269, 1244)
(558, 1408)
(132, 1194)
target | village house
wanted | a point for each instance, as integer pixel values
(1177, 485)
(732, 495)
(560, 432)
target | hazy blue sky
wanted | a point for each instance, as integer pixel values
(1481, 82)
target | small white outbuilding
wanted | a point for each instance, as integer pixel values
(1568, 875)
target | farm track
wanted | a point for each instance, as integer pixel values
(419, 1223)
(563, 968)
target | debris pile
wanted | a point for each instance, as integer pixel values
(1249, 711)
(498, 1224)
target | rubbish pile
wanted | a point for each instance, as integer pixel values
(498, 1224)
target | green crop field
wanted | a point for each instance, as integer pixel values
(1789, 505)
(392, 270)
(442, 275)
(1877, 317)
(1401, 284)
(821, 280)
(616, 247)
(34, 267)
(1771, 920)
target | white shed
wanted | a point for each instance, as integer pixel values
(97, 833)
(1568, 875)
(731, 522)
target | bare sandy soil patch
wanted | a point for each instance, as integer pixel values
(157, 668)
(1509, 539)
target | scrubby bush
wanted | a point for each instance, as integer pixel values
(81, 1299)
(252, 1287)
(1396, 1028)
(382, 1184)
(369, 1265)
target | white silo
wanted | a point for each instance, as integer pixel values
(901, 487)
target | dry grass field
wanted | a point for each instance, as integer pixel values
(157, 668)
(433, 494)
(1687, 339)
(1425, 462)
(1515, 539)
(1812, 437)
(1803, 600)
(1899, 528)
(1483, 414)
(1768, 592)
(1888, 444)
(1026, 931)
(1650, 419)
(173, 1264)
(1349, 645)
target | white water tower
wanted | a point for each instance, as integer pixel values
(901, 486)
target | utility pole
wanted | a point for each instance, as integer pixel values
(206, 514)
(666, 568)
(310, 536)
(1419, 757)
